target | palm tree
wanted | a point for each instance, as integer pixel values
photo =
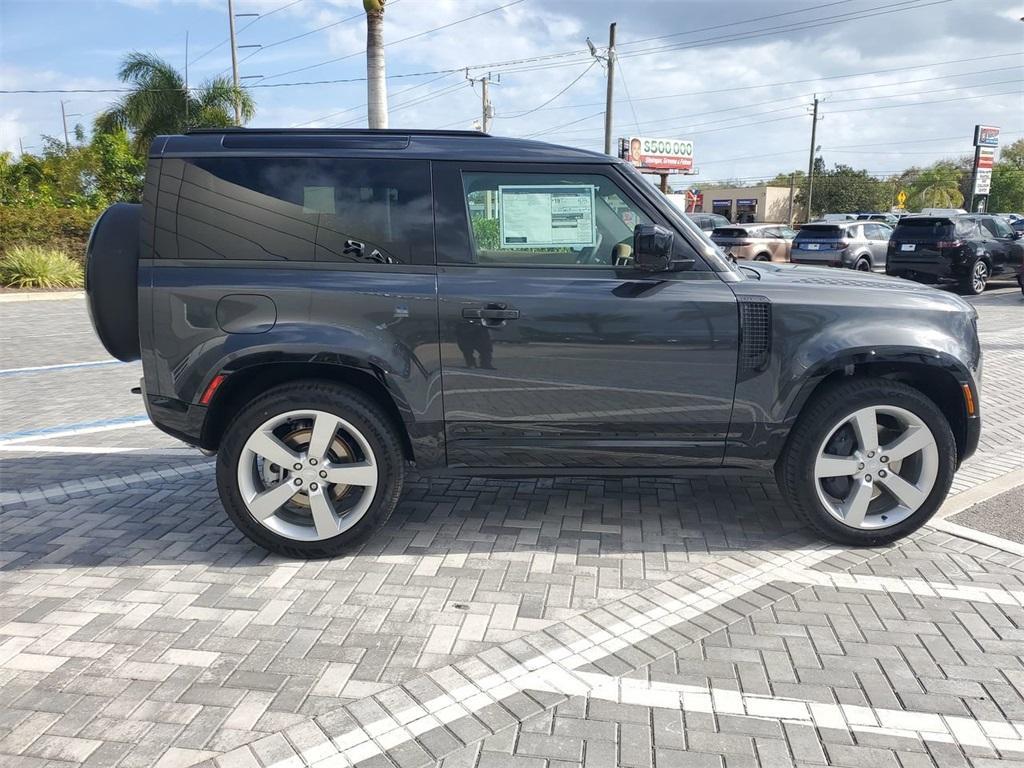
(376, 84)
(159, 103)
(937, 187)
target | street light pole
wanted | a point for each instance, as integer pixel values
(234, 61)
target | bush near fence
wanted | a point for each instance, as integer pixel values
(63, 229)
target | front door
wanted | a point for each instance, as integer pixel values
(555, 352)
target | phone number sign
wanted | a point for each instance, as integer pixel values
(664, 155)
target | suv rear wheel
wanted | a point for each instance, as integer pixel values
(310, 469)
(862, 265)
(868, 462)
(976, 279)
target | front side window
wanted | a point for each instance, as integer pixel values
(997, 227)
(546, 219)
(306, 209)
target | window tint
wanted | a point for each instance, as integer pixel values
(305, 209)
(534, 219)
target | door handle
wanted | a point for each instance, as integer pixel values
(491, 313)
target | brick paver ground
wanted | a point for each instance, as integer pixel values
(137, 628)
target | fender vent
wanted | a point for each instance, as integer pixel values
(755, 333)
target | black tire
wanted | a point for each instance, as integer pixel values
(794, 469)
(762, 257)
(969, 285)
(862, 264)
(355, 408)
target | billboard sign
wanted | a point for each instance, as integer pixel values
(661, 155)
(986, 136)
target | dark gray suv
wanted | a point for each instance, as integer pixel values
(326, 309)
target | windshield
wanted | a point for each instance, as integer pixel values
(714, 255)
(937, 228)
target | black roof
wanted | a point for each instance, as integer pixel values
(406, 143)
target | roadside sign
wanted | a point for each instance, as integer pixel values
(901, 198)
(662, 155)
(982, 181)
(986, 136)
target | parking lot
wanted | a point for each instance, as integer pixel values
(558, 622)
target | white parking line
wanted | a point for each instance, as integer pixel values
(23, 448)
(555, 668)
(1007, 735)
(141, 421)
(60, 366)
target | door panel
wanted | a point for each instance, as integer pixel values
(585, 367)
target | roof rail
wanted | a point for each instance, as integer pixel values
(338, 131)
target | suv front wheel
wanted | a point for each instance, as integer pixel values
(310, 469)
(869, 461)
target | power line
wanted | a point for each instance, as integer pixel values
(846, 76)
(395, 42)
(570, 85)
(880, 10)
(350, 109)
(225, 41)
(413, 102)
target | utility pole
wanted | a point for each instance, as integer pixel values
(64, 121)
(234, 61)
(186, 80)
(609, 95)
(810, 161)
(486, 108)
(792, 195)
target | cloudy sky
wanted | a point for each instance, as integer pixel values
(901, 81)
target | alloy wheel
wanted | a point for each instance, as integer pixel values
(876, 467)
(979, 276)
(307, 475)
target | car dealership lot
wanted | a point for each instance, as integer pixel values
(585, 621)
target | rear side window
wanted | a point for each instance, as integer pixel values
(925, 228)
(967, 229)
(305, 209)
(729, 232)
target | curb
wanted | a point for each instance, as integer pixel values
(40, 296)
(971, 498)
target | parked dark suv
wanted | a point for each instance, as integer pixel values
(967, 249)
(326, 309)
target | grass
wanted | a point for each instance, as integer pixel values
(35, 266)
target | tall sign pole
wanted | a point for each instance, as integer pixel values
(234, 61)
(609, 95)
(986, 140)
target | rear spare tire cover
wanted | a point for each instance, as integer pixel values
(111, 279)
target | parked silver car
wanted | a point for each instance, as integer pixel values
(860, 245)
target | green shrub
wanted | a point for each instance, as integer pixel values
(33, 266)
(62, 229)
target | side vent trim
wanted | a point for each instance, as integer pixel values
(755, 334)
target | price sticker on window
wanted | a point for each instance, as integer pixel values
(547, 216)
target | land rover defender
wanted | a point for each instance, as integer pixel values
(326, 310)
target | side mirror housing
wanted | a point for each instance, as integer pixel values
(653, 247)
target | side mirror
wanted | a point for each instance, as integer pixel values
(652, 248)
(1017, 234)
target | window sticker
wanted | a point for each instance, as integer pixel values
(547, 216)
